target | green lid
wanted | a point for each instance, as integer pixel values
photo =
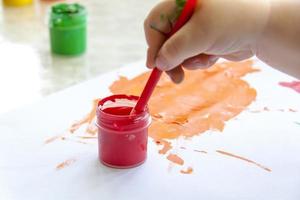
(66, 15)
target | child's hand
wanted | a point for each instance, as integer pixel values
(218, 28)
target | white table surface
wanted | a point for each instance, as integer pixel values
(28, 166)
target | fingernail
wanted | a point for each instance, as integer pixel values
(161, 63)
(177, 80)
(148, 65)
(214, 58)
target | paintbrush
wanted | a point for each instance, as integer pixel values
(184, 16)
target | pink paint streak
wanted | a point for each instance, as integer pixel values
(295, 85)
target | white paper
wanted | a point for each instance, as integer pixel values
(28, 166)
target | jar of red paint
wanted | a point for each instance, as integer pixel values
(122, 137)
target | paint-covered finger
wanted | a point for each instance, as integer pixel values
(176, 74)
(156, 26)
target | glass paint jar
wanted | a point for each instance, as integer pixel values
(122, 138)
(68, 29)
(17, 2)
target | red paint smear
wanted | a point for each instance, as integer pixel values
(175, 159)
(295, 85)
(64, 164)
(244, 159)
(189, 170)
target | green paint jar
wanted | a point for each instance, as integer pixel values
(68, 29)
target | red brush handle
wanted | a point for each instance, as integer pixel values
(185, 15)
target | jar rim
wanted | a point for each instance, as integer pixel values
(121, 123)
(67, 14)
(120, 96)
(68, 9)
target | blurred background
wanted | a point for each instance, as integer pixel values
(28, 69)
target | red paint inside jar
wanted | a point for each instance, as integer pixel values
(122, 138)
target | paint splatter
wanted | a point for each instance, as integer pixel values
(88, 119)
(74, 140)
(66, 163)
(166, 146)
(175, 159)
(266, 109)
(87, 137)
(295, 85)
(244, 159)
(195, 150)
(189, 170)
(64, 137)
(52, 139)
(200, 151)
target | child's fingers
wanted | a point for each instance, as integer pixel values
(182, 45)
(156, 25)
(238, 56)
(201, 61)
(176, 74)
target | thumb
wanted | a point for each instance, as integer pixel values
(185, 43)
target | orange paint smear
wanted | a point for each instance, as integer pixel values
(64, 164)
(75, 140)
(88, 119)
(189, 170)
(87, 137)
(200, 151)
(244, 159)
(205, 100)
(52, 139)
(166, 146)
(266, 109)
(175, 159)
